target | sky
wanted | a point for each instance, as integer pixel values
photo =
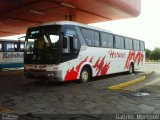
(145, 27)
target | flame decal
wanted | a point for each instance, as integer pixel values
(91, 60)
(105, 68)
(135, 57)
(73, 73)
(101, 67)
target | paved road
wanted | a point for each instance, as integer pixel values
(23, 96)
(151, 67)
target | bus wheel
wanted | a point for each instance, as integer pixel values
(131, 68)
(85, 75)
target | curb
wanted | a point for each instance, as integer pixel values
(131, 82)
(149, 73)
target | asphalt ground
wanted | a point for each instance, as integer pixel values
(29, 98)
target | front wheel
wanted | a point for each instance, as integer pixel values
(85, 75)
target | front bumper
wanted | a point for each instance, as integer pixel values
(43, 75)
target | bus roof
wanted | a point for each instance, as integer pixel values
(7, 40)
(81, 25)
(10, 40)
(73, 23)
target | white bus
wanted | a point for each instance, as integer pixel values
(11, 54)
(64, 51)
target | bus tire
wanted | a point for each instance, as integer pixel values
(131, 68)
(85, 75)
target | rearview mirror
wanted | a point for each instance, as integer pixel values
(66, 44)
(65, 39)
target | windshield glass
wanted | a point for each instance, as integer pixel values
(42, 45)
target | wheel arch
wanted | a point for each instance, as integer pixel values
(132, 64)
(89, 66)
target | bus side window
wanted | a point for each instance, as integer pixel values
(96, 39)
(21, 46)
(10, 46)
(91, 37)
(119, 42)
(110, 41)
(136, 45)
(106, 40)
(142, 46)
(15, 46)
(103, 39)
(128, 44)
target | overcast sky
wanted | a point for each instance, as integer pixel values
(145, 27)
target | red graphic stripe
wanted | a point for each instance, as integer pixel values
(101, 67)
(91, 60)
(136, 57)
(105, 68)
(78, 66)
(72, 74)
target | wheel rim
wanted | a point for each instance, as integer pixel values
(84, 76)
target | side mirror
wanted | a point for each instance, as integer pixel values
(66, 44)
(74, 45)
(65, 39)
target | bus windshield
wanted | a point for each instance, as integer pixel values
(42, 45)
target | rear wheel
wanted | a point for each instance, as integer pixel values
(85, 75)
(131, 68)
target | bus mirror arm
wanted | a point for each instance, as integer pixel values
(66, 44)
(65, 41)
(70, 44)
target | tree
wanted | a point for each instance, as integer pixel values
(155, 54)
(148, 52)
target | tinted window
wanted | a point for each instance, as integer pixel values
(119, 42)
(22, 46)
(9, 47)
(128, 44)
(70, 32)
(106, 40)
(136, 45)
(142, 45)
(15, 45)
(96, 39)
(91, 37)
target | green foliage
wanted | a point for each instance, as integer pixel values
(148, 52)
(153, 55)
